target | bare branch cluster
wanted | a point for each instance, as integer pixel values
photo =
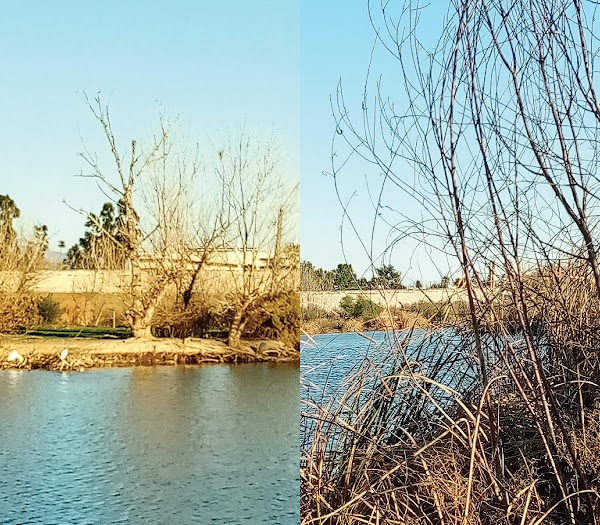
(178, 213)
(497, 137)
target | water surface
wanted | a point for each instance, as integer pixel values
(216, 444)
(329, 361)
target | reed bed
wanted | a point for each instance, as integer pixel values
(441, 433)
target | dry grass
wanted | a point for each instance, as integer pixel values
(412, 441)
(321, 326)
(90, 309)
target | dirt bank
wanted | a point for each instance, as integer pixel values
(33, 352)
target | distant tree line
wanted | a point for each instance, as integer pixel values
(21, 255)
(25, 253)
(102, 246)
(344, 278)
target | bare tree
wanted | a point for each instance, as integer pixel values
(176, 217)
(150, 245)
(187, 221)
(257, 199)
(496, 136)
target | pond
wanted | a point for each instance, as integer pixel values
(214, 444)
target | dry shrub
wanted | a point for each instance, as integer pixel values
(77, 313)
(409, 441)
(90, 309)
(402, 320)
(567, 309)
(422, 314)
(274, 317)
(277, 318)
(310, 327)
(353, 325)
(321, 326)
(442, 313)
(313, 312)
(18, 311)
(173, 319)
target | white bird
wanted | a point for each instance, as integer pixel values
(15, 356)
(63, 355)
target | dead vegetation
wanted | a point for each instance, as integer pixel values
(410, 440)
(422, 314)
(499, 129)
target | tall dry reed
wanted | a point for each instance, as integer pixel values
(409, 440)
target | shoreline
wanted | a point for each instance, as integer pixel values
(72, 354)
(403, 321)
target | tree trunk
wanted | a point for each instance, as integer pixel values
(141, 322)
(236, 329)
(142, 331)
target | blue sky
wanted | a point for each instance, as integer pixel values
(337, 40)
(211, 64)
(273, 65)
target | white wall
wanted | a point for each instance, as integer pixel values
(392, 298)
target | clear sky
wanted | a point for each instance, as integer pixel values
(273, 65)
(211, 64)
(337, 40)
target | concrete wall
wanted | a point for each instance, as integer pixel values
(211, 279)
(393, 298)
(80, 281)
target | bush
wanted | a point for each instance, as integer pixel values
(359, 307)
(49, 309)
(18, 311)
(277, 318)
(172, 319)
(347, 306)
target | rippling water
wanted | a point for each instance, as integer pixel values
(327, 360)
(216, 444)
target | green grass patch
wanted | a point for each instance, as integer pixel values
(92, 332)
